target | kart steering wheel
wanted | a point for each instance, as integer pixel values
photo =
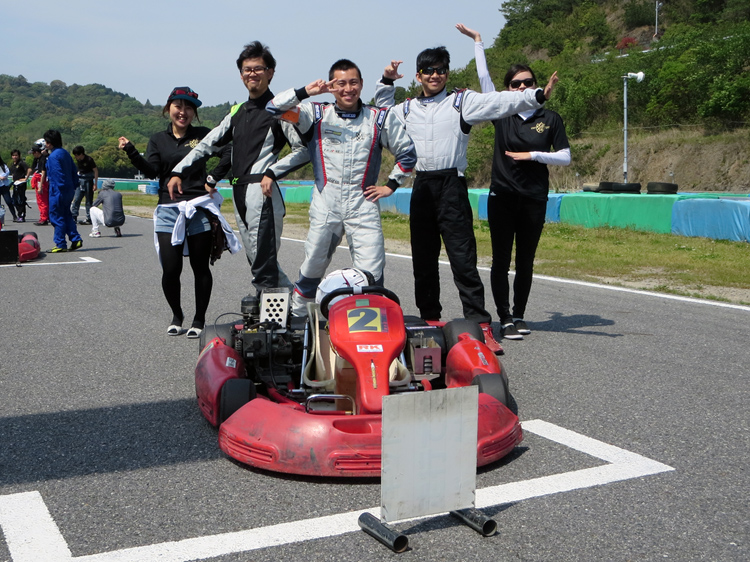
(368, 289)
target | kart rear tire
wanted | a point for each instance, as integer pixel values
(494, 384)
(661, 187)
(234, 394)
(605, 187)
(455, 328)
(210, 331)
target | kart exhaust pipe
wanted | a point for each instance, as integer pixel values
(476, 520)
(383, 533)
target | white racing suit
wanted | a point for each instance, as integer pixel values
(345, 150)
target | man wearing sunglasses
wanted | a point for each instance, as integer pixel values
(439, 124)
(257, 139)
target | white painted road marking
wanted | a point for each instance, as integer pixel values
(32, 535)
(83, 259)
(589, 284)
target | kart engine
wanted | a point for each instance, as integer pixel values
(271, 350)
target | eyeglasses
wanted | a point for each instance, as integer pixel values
(528, 82)
(254, 70)
(430, 70)
(183, 92)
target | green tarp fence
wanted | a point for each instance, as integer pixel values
(649, 212)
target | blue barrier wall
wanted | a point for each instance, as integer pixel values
(723, 219)
(554, 201)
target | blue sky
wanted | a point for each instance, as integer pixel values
(145, 48)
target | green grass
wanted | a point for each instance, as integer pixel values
(660, 262)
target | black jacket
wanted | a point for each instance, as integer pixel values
(163, 153)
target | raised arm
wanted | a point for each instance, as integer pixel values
(485, 81)
(149, 166)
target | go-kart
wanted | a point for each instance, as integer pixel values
(304, 395)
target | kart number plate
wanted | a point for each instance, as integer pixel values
(366, 320)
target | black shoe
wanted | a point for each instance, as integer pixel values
(76, 245)
(42, 223)
(521, 326)
(510, 332)
(84, 222)
(118, 234)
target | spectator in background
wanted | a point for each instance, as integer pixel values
(20, 173)
(517, 204)
(63, 180)
(5, 186)
(39, 181)
(111, 214)
(88, 176)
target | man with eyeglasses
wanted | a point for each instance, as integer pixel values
(257, 140)
(439, 124)
(345, 140)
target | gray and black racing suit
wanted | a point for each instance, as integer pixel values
(345, 150)
(257, 139)
(440, 126)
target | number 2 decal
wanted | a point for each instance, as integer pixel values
(365, 320)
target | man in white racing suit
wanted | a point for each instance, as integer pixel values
(345, 141)
(439, 124)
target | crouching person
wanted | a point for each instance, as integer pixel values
(111, 214)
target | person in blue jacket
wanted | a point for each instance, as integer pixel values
(62, 175)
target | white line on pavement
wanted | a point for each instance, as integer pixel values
(83, 259)
(32, 535)
(594, 285)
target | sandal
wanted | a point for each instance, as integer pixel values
(194, 333)
(174, 330)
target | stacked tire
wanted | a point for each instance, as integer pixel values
(661, 188)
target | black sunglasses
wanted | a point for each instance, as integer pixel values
(528, 82)
(430, 70)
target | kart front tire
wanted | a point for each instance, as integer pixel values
(494, 384)
(234, 394)
(455, 328)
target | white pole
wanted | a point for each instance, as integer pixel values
(656, 27)
(625, 128)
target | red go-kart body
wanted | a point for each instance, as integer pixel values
(280, 429)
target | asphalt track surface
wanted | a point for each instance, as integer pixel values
(105, 456)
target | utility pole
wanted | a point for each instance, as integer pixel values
(639, 78)
(656, 27)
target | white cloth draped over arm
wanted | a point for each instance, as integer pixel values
(212, 204)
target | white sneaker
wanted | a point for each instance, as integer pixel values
(95, 234)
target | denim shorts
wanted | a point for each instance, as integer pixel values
(167, 216)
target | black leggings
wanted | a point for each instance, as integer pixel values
(513, 216)
(199, 246)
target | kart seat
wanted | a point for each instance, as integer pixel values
(319, 371)
(324, 364)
